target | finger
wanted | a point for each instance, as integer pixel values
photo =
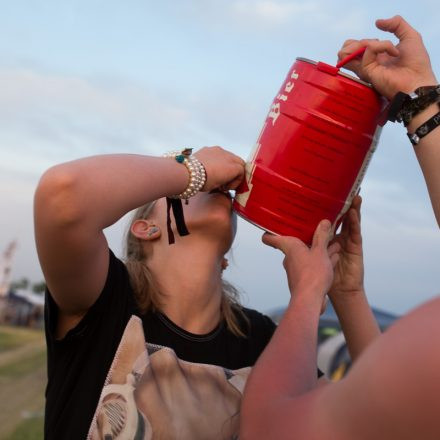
(272, 240)
(374, 48)
(334, 259)
(351, 46)
(237, 180)
(355, 227)
(356, 204)
(322, 234)
(282, 243)
(240, 161)
(348, 48)
(334, 248)
(349, 41)
(398, 26)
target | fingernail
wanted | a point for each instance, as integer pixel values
(326, 225)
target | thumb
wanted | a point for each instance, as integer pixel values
(322, 235)
(282, 243)
(398, 26)
(275, 241)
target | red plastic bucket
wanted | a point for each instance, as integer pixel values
(312, 153)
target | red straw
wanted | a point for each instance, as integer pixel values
(355, 54)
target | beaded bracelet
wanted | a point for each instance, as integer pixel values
(197, 173)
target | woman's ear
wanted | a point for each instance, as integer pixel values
(145, 230)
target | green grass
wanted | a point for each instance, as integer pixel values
(24, 365)
(22, 383)
(30, 429)
(12, 337)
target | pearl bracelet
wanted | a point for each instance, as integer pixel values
(197, 173)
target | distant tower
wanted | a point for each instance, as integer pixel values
(5, 268)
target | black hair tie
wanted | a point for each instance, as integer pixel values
(176, 205)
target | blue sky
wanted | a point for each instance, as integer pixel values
(89, 77)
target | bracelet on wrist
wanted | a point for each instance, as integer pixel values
(424, 129)
(197, 179)
(404, 107)
(196, 171)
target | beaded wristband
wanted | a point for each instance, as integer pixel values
(197, 173)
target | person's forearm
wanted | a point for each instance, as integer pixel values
(428, 155)
(287, 367)
(101, 189)
(357, 320)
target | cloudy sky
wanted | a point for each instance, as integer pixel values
(89, 77)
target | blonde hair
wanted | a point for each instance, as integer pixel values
(147, 294)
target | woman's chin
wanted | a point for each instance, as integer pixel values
(218, 224)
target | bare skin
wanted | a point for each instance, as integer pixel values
(392, 391)
(403, 67)
(347, 292)
(75, 201)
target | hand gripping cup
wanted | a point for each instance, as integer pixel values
(313, 151)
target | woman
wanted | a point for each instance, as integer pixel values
(157, 347)
(92, 338)
(400, 399)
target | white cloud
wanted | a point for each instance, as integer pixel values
(72, 116)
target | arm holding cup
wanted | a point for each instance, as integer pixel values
(403, 68)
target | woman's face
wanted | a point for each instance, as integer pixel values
(206, 213)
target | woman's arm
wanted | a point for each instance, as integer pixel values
(76, 201)
(403, 68)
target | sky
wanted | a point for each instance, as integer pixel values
(80, 78)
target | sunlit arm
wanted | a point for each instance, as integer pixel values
(286, 369)
(392, 392)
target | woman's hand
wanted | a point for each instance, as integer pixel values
(392, 69)
(224, 169)
(349, 270)
(308, 269)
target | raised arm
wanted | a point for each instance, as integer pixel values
(287, 367)
(404, 68)
(391, 392)
(76, 201)
(347, 292)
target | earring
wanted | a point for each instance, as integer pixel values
(225, 263)
(152, 230)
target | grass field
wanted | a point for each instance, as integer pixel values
(22, 382)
